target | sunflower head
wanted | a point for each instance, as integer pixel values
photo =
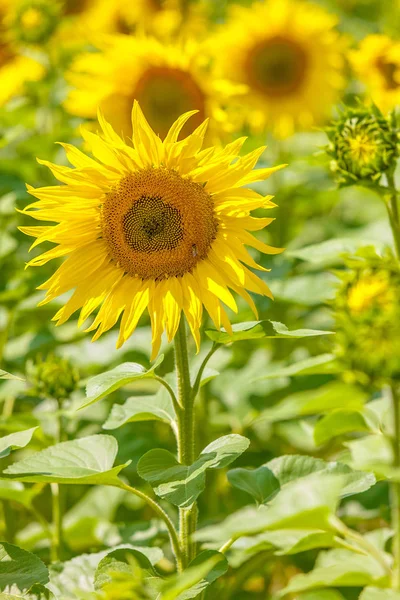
(34, 21)
(166, 79)
(367, 316)
(377, 64)
(52, 377)
(292, 66)
(162, 225)
(363, 145)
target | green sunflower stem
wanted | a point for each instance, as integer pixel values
(395, 489)
(186, 440)
(393, 211)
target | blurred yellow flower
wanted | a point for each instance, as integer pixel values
(160, 226)
(370, 290)
(377, 64)
(166, 79)
(290, 55)
(15, 68)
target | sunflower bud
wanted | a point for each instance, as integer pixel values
(34, 21)
(367, 315)
(363, 145)
(52, 377)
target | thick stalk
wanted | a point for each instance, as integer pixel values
(395, 490)
(186, 439)
(393, 211)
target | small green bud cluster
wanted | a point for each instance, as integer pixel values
(34, 21)
(52, 377)
(364, 144)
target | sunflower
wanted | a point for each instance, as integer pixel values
(160, 226)
(377, 64)
(15, 68)
(167, 80)
(290, 57)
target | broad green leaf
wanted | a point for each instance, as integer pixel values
(371, 452)
(181, 484)
(142, 408)
(16, 440)
(202, 571)
(104, 384)
(321, 595)
(72, 578)
(20, 569)
(372, 593)
(260, 483)
(324, 399)
(291, 467)
(306, 503)
(290, 541)
(86, 460)
(118, 561)
(323, 364)
(36, 592)
(253, 330)
(339, 568)
(309, 290)
(340, 422)
(6, 375)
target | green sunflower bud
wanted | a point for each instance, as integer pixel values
(34, 21)
(363, 145)
(52, 377)
(367, 316)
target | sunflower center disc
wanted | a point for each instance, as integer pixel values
(158, 224)
(165, 93)
(388, 72)
(277, 66)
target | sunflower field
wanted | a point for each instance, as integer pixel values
(199, 299)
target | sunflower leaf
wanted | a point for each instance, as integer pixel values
(20, 569)
(16, 440)
(182, 484)
(104, 384)
(142, 408)
(253, 330)
(86, 460)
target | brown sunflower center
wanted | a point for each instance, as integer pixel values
(165, 93)
(75, 7)
(388, 71)
(277, 66)
(5, 54)
(158, 224)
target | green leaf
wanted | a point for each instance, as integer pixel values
(290, 541)
(292, 467)
(253, 330)
(6, 375)
(260, 483)
(324, 399)
(202, 571)
(143, 408)
(321, 595)
(180, 484)
(306, 503)
(104, 384)
(86, 460)
(338, 568)
(323, 364)
(339, 423)
(372, 593)
(20, 568)
(16, 440)
(36, 592)
(371, 451)
(310, 289)
(328, 252)
(118, 561)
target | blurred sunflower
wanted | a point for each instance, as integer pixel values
(33, 21)
(15, 68)
(289, 55)
(167, 80)
(377, 64)
(160, 226)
